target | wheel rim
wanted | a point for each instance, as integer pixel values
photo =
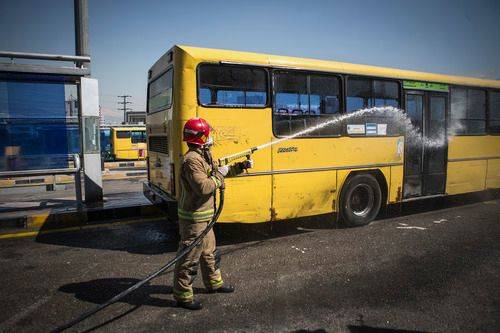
(361, 200)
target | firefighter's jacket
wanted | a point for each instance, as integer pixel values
(196, 201)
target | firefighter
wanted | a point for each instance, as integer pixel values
(196, 210)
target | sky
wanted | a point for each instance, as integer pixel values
(126, 37)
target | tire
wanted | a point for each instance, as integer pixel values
(360, 200)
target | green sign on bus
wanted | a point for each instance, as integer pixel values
(425, 86)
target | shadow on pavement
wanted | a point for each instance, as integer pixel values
(112, 319)
(152, 238)
(435, 204)
(101, 290)
(161, 237)
(368, 329)
(235, 233)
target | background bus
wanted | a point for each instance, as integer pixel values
(124, 143)
(353, 167)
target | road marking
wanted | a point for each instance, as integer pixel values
(298, 249)
(419, 228)
(406, 226)
(440, 221)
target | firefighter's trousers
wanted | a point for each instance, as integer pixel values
(204, 254)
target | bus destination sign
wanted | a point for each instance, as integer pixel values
(425, 86)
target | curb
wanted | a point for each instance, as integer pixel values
(48, 222)
(64, 179)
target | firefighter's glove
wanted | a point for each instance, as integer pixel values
(248, 164)
(223, 170)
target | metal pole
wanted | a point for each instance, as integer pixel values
(81, 31)
(88, 111)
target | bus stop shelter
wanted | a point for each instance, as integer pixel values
(49, 114)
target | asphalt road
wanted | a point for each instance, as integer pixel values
(430, 271)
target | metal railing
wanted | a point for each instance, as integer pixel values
(75, 170)
(43, 56)
(80, 68)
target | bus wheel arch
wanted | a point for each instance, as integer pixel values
(362, 196)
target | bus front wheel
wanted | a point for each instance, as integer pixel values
(360, 200)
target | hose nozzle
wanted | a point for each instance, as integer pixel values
(228, 159)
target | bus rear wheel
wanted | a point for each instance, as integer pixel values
(360, 200)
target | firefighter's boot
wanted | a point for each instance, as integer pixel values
(190, 305)
(223, 290)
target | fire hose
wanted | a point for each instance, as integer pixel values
(217, 211)
(139, 284)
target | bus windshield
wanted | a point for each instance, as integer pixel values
(160, 92)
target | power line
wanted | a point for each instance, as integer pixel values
(124, 108)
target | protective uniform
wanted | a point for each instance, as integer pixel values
(195, 210)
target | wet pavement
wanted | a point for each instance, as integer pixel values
(426, 271)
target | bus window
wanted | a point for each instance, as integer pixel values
(476, 106)
(359, 94)
(160, 92)
(468, 111)
(290, 103)
(291, 93)
(232, 86)
(325, 92)
(494, 112)
(324, 99)
(205, 96)
(138, 136)
(366, 93)
(123, 134)
(386, 93)
(231, 98)
(304, 100)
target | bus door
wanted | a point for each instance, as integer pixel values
(426, 151)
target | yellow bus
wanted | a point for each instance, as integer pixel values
(128, 143)
(352, 168)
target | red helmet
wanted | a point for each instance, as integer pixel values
(196, 131)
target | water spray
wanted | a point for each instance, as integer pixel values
(413, 134)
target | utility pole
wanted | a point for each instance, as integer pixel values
(88, 113)
(124, 108)
(81, 29)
